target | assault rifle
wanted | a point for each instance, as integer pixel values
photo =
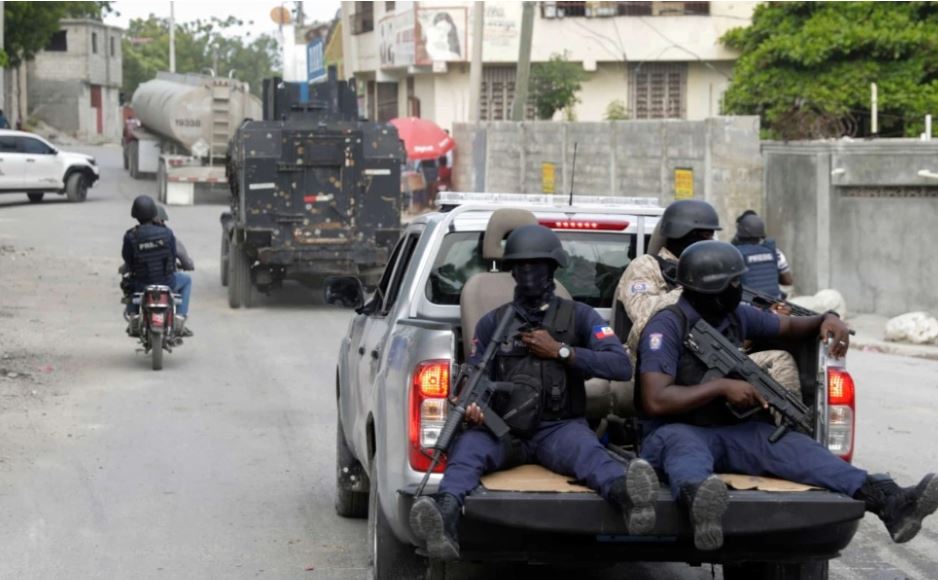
(479, 390)
(719, 354)
(763, 301)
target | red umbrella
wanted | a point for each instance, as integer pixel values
(423, 139)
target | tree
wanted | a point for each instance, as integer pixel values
(200, 45)
(28, 26)
(806, 67)
(556, 83)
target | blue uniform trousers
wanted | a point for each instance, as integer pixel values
(567, 447)
(688, 455)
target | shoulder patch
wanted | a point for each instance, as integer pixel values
(654, 340)
(638, 287)
(602, 331)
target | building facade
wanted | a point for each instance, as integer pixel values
(657, 59)
(74, 84)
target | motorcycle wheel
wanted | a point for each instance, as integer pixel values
(156, 348)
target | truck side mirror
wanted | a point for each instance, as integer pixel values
(345, 291)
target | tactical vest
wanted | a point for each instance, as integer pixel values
(559, 388)
(153, 255)
(691, 371)
(762, 262)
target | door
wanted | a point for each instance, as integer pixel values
(12, 164)
(98, 108)
(43, 168)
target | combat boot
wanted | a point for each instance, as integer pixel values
(434, 521)
(635, 494)
(706, 503)
(902, 509)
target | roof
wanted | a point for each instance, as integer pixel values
(88, 22)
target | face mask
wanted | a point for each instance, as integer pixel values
(679, 245)
(533, 279)
(715, 307)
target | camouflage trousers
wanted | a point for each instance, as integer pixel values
(781, 366)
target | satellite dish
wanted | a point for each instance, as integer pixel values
(281, 16)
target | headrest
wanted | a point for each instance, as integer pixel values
(502, 222)
(656, 242)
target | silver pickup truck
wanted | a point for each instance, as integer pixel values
(393, 374)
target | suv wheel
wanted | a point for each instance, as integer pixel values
(390, 559)
(35, 197)
(812, 570)
(76, 187)
(351, 483)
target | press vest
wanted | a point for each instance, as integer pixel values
(560, 388)
(762, 262)
(153, 255)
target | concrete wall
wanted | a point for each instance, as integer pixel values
(627, 158)
(858, 217)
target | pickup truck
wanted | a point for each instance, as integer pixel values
(29, 164)
(406, 340)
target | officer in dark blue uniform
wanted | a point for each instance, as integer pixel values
(690, 432)
(149, 249)
(761, 255)
(565, 342)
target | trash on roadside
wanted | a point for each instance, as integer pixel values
(914, 327)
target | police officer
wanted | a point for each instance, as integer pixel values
(689, 430)
(567, 342)
(183, 284)
(766, 266)
(149, 250)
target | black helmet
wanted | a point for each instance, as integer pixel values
(683, 216)
(161, 212)
(534, 242)
(750, 226)
(144, 209)
(709, 267)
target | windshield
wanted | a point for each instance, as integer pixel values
(597, 261)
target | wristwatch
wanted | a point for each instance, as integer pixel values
(564, 352)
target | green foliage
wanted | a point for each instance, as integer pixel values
(28, 26)
(199, 45)
(556, 83)
(616, 111)
(806, 67)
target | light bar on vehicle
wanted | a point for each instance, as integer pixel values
(547, 200)
(584, 225)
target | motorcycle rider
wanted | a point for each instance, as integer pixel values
(184, 263)
(149, 250)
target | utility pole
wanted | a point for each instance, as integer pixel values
(475, 66)
(874, 110)
(172, 38)
(523, 74)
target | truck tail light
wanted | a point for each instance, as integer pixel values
(585, 225)
(841, 413)
(428, 408)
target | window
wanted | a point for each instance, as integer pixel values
(113, 49)
(658, 91)
(363, 20)
(388, 6)
(562, 9)
(58, 42)
(8, 145)
(34, 146)
(94, 43)
(498, 92)
(389, 286)
(387, 102)
(597, 262)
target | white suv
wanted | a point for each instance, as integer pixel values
(29, 164)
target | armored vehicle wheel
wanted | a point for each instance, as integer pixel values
(156, 349)
(224, 258)
(239, 284)
(35, 197)
(348, 503)
(813, 570)
(76, 188)
(390, 559)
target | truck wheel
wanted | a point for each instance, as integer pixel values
(76, 188)
(239, 284)
(224, 257)
(390, 559)
(812, 570)
(161, 181)
(349, 472)
(35, 197)
(133, 159)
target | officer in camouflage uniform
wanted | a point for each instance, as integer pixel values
(648, 284)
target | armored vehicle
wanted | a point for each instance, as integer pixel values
(315, 191)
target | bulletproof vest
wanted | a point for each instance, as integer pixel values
(762, 262)
(153, 251)
(561, 388)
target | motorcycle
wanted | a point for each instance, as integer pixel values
(155, 321)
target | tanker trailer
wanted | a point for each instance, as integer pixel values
(180, 131)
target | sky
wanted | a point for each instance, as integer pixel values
(258, 12)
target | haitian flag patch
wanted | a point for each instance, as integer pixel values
(601, 332)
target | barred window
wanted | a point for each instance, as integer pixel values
(498, 92)
(363, 20)
(658, 90)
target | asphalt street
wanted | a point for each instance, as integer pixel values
(222, 464)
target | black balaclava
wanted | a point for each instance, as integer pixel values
(678, 245)
(534, 287)
(715, 307)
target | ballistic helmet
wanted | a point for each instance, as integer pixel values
(709, 267)
(750, 226)
(534, 242)
(683, 216)
(143, 209)
(161, 212)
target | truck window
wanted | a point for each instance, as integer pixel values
(596, 263)
(34, 146)
(400, 268)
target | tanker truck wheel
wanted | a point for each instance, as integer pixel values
(161, 181)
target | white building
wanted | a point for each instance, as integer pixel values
(660, 59)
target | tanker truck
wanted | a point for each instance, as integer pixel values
(179, 133)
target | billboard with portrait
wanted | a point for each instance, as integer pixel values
(441, 34)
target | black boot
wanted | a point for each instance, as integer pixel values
(706, 503)
(902, 509)
(635, 494)
(434, 521)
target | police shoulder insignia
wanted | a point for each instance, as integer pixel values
(602, 331)
(654, 340)
(638, 287)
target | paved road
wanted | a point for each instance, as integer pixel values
(221, 465)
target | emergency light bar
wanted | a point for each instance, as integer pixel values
(453, 198)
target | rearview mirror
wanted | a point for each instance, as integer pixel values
(345, 291)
